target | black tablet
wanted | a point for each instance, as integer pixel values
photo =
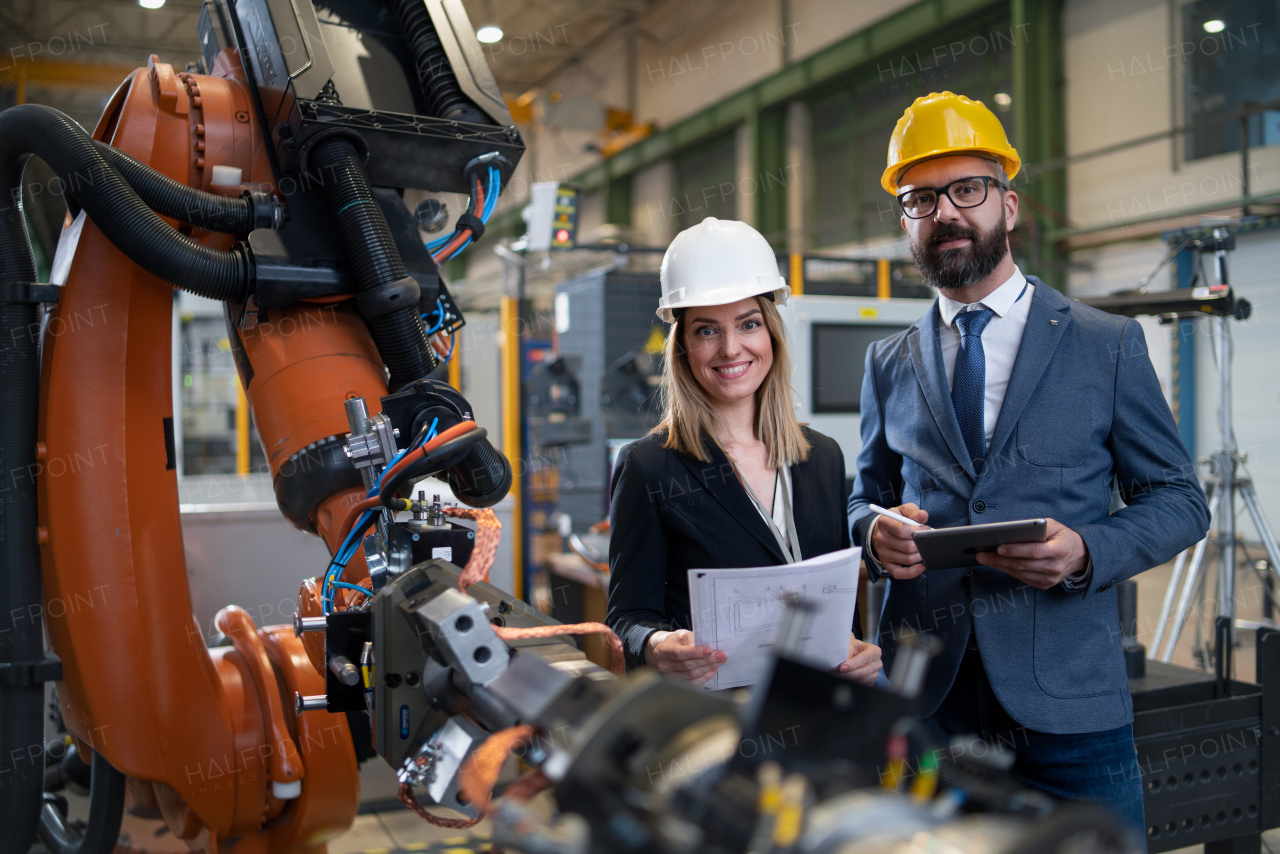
(947, 547)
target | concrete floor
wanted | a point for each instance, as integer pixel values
(397, 830)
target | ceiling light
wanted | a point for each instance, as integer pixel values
(488, 35)
(1214, 26)
(151, 4)
(1003, 99)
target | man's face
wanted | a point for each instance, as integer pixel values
(958, 247)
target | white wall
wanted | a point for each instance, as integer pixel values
(693, 55)
(821, 23)
(1256, 385)
(590, 212)
(652, 198)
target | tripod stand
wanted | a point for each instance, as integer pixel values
(1225, 484)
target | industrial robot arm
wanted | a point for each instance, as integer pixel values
(253, 181)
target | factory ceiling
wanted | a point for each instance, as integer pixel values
(72, 53)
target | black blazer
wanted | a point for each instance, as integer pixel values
(671, 513)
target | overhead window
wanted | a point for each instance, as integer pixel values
(1230, 51)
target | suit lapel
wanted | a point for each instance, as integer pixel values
(719, 480)
(1039, 341)
(926, 356)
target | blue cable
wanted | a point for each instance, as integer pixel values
(449, 355)
(491, 199)
(487, 210)
(441, 241)
(490, 202)
(348, 548)
(357, 587)
(439, 323)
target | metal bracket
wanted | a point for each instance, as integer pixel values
(22, 292)
(374, 447)
(20, 674)
(464, 636)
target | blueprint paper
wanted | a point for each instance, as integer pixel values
(742, 612)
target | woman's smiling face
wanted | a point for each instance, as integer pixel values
(729, 348)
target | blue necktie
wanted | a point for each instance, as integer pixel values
(969, 382)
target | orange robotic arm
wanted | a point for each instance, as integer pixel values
(205, 736)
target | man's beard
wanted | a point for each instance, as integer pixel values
(952, 269)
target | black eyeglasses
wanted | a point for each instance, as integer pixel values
(963, 193)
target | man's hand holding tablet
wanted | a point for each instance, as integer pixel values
(1045, 564)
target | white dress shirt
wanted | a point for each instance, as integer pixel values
(1000, 339)
(781, 482)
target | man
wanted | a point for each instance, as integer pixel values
(1009, 401)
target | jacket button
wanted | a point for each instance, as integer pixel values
(979, 506)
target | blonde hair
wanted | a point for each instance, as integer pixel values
(689, 415)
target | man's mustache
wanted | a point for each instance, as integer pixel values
(952, 232)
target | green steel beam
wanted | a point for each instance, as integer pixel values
(770, 132)
(1039, 124)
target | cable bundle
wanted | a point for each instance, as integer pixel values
(483, 201)
(381, 495)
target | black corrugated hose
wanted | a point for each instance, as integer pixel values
(126, 220)
(21, 707)
(178, 201)
(375, 260)
(445, 99)
(483, 478)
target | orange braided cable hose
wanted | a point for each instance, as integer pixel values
(527, 786)
(617, 663)
(480, 772)
(488, 533)
(410, 800)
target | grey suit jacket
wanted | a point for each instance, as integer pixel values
(1083, 409)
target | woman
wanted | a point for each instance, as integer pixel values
(729, 478)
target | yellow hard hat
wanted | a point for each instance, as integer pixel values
(940, 124)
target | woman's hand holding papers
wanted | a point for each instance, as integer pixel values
(864, 662)
(677, 657)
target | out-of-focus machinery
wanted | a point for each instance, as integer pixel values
(269, 178)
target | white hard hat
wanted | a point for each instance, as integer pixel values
(716, 262)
